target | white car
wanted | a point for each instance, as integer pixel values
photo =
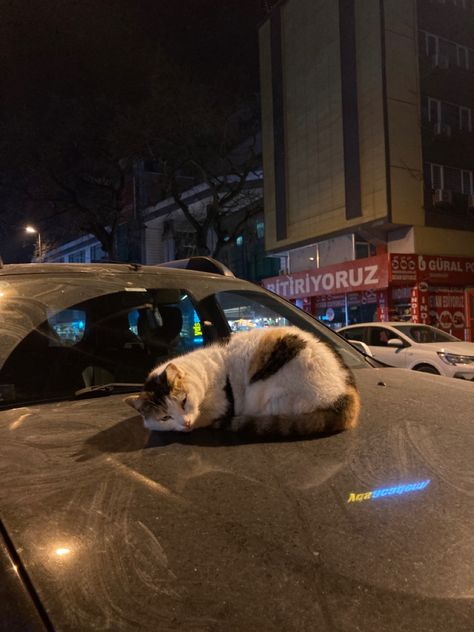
(415, 346)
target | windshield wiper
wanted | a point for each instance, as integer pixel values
(108, 389)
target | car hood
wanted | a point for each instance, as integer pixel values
(121, 529)
(461, 348)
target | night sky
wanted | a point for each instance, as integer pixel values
(111, 50)
(80, 47)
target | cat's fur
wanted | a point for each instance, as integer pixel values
(278, 380)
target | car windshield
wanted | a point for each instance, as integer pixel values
(63, 334)
(425, 333)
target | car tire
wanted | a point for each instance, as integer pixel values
(426, 368)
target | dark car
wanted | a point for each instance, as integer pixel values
(106, 526)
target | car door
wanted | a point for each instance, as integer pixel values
(378, 343)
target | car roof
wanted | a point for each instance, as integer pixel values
(175, 272)
(385, 324)
(194, 265)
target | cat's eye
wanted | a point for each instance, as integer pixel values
(183, 403)
(166, 417)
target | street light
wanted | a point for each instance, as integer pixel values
(33, 231)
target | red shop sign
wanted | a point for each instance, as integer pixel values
(446, 310)
(363, 274)
(442, 270)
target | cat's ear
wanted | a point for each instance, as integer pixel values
(135, 401)
(174, 375)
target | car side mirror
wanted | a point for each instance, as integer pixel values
(362, 347)
(395, 342)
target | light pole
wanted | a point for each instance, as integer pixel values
(33, 231)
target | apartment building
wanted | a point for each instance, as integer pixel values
(368, 145)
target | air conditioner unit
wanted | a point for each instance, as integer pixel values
(470, 202)
(442, 197)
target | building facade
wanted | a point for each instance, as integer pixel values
(368, 147)
(159, 232)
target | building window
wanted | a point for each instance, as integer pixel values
(363, 249)
(450, 116)
(434, 111)
(452, 179)
(260, 228)
(467, 179)
(465, 119)
(437, 177)
(445, 117)
(462, 57)
(445, 53)
(77, 257)
(431, 45)
(239, 241)
(97, 253)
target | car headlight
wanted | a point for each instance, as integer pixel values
(454, 358)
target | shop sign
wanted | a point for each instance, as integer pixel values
(446, 310)
(363, 274)
(415, 304)
(382, 311)
(413, 268)
(336, 300)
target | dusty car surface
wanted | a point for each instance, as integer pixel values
(106, 526)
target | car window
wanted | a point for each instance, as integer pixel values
(355, 333)
(167, 327)
(191, 336)
(50, 351)
(425, 333)
(244, 310)
(379, 336)
(61, 333)
(68, 325)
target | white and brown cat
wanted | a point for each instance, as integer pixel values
(279, 381)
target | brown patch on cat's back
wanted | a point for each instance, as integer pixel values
(273, 352)
(348, 409)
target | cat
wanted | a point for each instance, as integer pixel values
(279, 381)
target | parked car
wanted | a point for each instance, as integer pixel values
(106, 526)
(415, 346)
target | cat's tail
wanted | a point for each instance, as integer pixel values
(342, 415)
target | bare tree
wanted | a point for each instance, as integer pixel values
(119, 98)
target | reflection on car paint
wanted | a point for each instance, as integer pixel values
(388, 491)
(64, 550)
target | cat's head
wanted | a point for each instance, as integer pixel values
(164, 402)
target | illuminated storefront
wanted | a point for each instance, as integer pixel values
(392, 287)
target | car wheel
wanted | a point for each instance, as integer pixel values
(426, 368)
